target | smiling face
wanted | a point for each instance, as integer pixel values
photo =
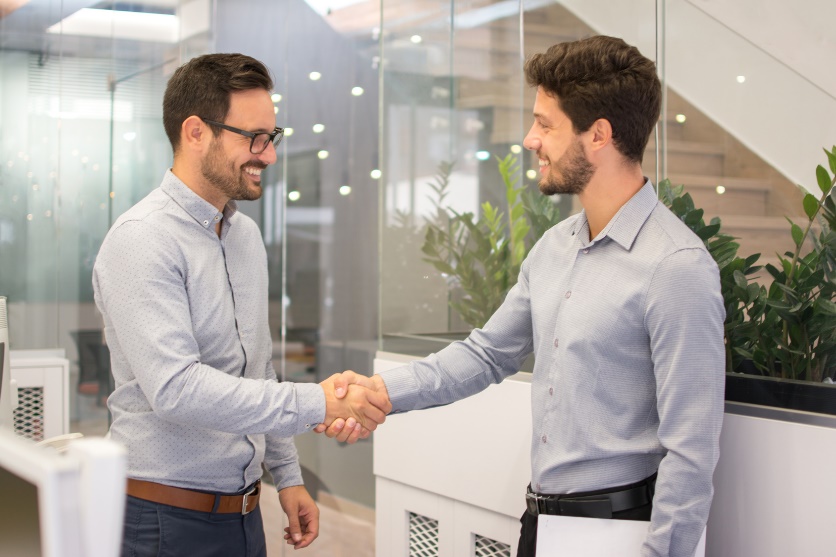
(564, 167)
(228, 166)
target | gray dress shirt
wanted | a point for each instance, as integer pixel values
(196, 403)
(627, 332)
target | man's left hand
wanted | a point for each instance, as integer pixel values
(302, 515)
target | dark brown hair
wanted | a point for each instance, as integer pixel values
(201, 87)
(602, 77)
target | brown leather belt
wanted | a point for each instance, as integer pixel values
(195, 500)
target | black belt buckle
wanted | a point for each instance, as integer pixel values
(598, 507)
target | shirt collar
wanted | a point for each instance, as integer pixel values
(625, 225)
(198, 208)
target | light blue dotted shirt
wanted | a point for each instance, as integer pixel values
(196, 402)
(629, 375)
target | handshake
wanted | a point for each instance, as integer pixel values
(354, 406)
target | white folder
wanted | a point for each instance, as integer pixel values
(572, 536)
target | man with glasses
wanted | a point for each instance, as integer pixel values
(181, 282)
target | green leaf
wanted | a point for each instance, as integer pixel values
(811, 205)
(823, 179)
(708, 231)
(740, 279)
(797, 234)
(831, 157)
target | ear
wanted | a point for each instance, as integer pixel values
(195, 135)
(600, 134)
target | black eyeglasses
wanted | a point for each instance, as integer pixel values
(258, 140)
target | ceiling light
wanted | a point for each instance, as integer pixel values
(118, 24)
(294, 195)
(681, 118)
(322, 154)
(275, 110)
(315, 76)
(356, 91)
(531, 174)
(275, 97)
(721, 190)
(416, 39)
(516, 149)
(376, 174)
(741, 78)
(318, 128)
(483, 155)
(288, 132)
(345, 190)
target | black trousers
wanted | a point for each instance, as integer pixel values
(527, 546)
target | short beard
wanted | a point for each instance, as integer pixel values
(227, 179)
(574, 173)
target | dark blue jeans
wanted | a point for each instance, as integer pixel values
(155, 530)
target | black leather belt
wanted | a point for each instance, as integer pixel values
(600, 505)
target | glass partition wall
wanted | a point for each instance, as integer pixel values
(402, 118)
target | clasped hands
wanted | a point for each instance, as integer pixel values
(354, 406)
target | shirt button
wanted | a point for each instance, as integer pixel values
(217, 218)
(568, 293)
(205, 223)
(586, 250)
(551, 391)
(555, 343)
(307, 426)
(543, 438)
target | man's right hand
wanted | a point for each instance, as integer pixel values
(354, 397)
(350, 430)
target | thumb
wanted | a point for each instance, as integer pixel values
(294, 528)
(343, 380)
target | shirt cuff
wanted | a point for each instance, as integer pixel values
(400, 384)
(310, 402)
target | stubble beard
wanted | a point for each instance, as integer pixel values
(219, 171)
(574, 172)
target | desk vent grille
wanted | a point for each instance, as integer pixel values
(486, 547)
(29, 416)
(423, 536)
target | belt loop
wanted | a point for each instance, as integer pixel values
(216, 504)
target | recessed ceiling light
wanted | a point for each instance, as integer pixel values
(376, 174)
(318, 128)
(483, 155)
(741, 78)
(294, 195)
(315, 76)
(721, 190)
(681, 118)
(288, 132)
(356, 91)
(345, 190)
(416, 39)
(516, 149)
(322, 154)
(275, 97)
(531, 173)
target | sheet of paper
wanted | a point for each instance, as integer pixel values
(572, 536)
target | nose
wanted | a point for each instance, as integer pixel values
(531, 141)
(269, 155)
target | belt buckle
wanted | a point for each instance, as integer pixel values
(244, 510)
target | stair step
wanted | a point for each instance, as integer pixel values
(757, 234)
(742, 196)
(688, 157)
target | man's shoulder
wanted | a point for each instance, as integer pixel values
(671, 232)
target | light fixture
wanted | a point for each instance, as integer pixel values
(356, 91)
(416, 39)
(275, 97)
(314, 76)
(531, 174)
(376, 174)
(120, 24)
(483, 155)
(113, 195)
(345, 190)
(721, 190)
(741, 78)
(516, 149)
(275, 110)
(294, 195)
(318, 128)
(288, 132)
(681, 118)
(322, 154)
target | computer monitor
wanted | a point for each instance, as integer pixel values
(6, 407)
(55, 504)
